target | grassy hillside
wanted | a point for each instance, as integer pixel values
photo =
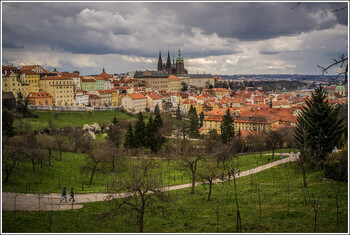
(282, 209)
(75, 119)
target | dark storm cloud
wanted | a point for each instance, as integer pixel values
(256, 21)
(142, 29)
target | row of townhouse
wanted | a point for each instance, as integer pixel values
(247, 120)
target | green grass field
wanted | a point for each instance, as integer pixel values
(68, 173)
(74, 119)
(282, 212)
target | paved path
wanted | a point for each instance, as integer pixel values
(30, 202)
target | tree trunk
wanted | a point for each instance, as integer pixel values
(33, 164)
(239, 227)
(142, 212)
(304, 176)
(210, 187)
(60, 154)
(50, 155)
(9, 171)
(273, 152)
(315, 221)
(193, 182)
(93, 172)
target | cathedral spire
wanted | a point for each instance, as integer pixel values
(168, 64)
(160, 63)
(103, 70)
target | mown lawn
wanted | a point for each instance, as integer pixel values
(283, 209)
(68, 173)
(73, 119)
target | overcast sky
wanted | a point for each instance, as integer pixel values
(218, 38)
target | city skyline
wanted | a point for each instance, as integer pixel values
(217, 38)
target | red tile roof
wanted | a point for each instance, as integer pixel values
(154, 96)
(136, 96)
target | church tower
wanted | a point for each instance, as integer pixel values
(180, 69)
(160, 63)
(168, 64)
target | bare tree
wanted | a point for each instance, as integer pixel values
(314, 201)
(336, 187)
(143, 191)
(209, 172)
(96, 158)
(13, 153)
(261, 198)
(189, 157)
(273, 139)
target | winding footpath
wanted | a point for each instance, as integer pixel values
(30, 202)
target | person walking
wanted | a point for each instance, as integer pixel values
(238, 171)
(229, 175)
(281, 156)
(71, 195)
(64, 195)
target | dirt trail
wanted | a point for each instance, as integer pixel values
(30, 202)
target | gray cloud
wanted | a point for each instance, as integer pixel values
(142, 29)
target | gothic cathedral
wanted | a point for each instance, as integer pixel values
(177, 68)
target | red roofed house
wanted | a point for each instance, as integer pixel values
(135, 102)
(39, 98)
(152, 100)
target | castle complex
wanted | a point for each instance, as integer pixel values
(177, 68)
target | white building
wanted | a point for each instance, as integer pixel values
(134, 103)
(81, 98)
(153, 100)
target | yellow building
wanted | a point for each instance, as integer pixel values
(106, 97)
(32, 78)
(11, 83)
(210, 123)
(60, 88)
(157, 80)
(174, 83)
(115, 97)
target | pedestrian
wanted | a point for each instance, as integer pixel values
(238, 171)
(64, 195)
(229, 175)
(281, 156)
(268, 159)
(71, 194)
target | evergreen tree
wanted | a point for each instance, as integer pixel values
(115, 121)
(7, 123)
(156, 109)
(158, 122)
(150, 131)
(140, 129)
(184, 86)
(129, 137)
(194, 125)
(154, 140)
(178, 113)
(201, 118)
(319, 129)
(227, 127)
(114, 134)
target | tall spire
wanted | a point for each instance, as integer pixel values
(103, 70)
(160, 63)
(168, 64)
(173, 60)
